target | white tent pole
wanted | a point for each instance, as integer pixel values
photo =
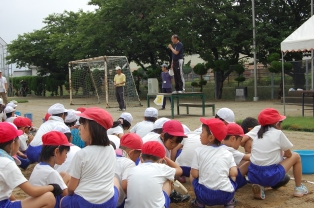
(312, 64)
(283, 83)
(255, 98)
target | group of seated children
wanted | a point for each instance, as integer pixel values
(114, 168)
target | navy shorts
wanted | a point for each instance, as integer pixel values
(33, 153)
(211, 197)
(240, 180)
(266, 175)
(167, 200)
(76, 201)
(8, 204)
(186, 171)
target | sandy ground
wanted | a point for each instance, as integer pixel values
(282, 197)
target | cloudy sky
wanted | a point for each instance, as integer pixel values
(23, 16)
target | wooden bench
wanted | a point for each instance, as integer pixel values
(198, 105)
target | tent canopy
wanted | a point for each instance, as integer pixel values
(302, 39)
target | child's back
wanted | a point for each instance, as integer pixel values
(145, 183)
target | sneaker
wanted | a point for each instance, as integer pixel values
(300, 190)
(175, 197)
(119, 109)
(180, 91)
(123, 109)
(285, 180)
(258, 191)
(196, 204)
(175, 91)
(162, 108)
(231, 204)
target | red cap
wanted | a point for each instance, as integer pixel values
(154, 148)
(99, 115)
(132, 141)
(269, 116)
(234, 129)
(216, 127)
(8, 132)
(20, 122)
(55, 138)
(47, 116)
(28, 122)
(81, 109)
(174, 128)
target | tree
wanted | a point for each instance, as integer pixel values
(201, 70)
(276, 67)
(239, 69)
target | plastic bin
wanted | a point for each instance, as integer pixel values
(307, 158)
(18, 113)
(29, 115)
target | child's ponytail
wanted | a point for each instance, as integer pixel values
(263, 130)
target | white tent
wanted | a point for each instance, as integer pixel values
(302, 39)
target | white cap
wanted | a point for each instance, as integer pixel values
(226, 114)
(151, 112)
(62, 128)
(1, 101)
(118, 68)
(186, 129)
(11, 104)
(71, 117)
(9, 109)
(127, 116)
(116, 130)
(56, 109)
(160, 122)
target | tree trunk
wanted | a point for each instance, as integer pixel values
(61, 90)
(219, 84)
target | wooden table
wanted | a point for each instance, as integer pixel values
(177, 96)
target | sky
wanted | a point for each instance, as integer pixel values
(24, 16)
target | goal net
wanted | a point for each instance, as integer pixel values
(91, 81)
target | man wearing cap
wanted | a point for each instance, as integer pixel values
(177, 63)
(58, 114)
(3, 88)
(119, 82)
(166, 83)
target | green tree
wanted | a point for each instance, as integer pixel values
(239, 69)
(200, 69)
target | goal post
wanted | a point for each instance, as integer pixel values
(91, 81)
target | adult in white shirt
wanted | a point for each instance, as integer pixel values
(2, 113)
(58, 113)
(3, 88)
(144, 127)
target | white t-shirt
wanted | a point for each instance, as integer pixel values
(3, 81)
(23, 144)
(10, 177)
(123, 167)
(44, 174)
(115, 130)
(237, 155)
(11, 119)
(115, 140)
(142, 128)
(95, 167)
(45, 128)
(152, 136)
(190, 143)
(64, 167)
(269, 149)
(214, 164)
(145, 183)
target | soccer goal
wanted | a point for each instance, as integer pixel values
(91, 81)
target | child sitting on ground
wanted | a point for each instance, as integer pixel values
(270, 145)
(213, 170)
(154, 135)
(144, 127)
(247, 125)
(92, 169)
(130, 149)
(232, 143)
(151, 178)
(123, 123)
(54, 151)
(11, 176)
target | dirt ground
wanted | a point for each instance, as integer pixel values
(282, 197)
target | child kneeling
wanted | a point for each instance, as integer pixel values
(213, 170)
